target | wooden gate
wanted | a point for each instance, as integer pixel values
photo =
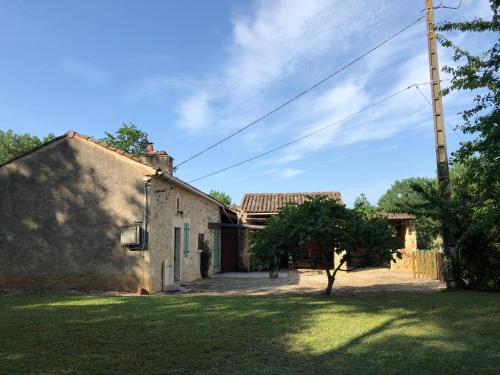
(426, 264)
(423, 264)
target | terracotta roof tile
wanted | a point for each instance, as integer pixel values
(398, 216)
(273, 202)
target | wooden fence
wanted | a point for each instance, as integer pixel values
(426, 264)
(423, 264)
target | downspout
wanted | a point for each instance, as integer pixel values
(144, 245)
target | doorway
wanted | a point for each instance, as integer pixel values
(177, 254)
(229, 251)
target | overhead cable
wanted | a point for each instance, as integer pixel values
(299, 95)
(310, 134)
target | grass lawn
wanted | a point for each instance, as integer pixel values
(437, 333)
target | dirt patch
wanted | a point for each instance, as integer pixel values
(313, 282)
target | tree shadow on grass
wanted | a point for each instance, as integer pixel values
(420, 333)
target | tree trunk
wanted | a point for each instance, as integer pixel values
(331, 276)
(331, 280)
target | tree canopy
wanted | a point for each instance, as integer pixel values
(221, 196)
(128, 138)
(402, 197)
(478, 74)
(12, 144)
(474, 211)
(329, 228)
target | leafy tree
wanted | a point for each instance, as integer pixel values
(12, 144)
(479, 74)
(327, 227)
(221, 196)
(402, 197)
(474, 212)
(374, 239)
(361, 203)
(128, 138)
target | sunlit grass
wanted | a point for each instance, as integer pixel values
(420, 333)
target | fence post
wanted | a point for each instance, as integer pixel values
(413, 266)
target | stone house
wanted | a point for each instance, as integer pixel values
(257, 208)
(77, 213)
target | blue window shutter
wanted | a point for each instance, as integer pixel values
(186, 239)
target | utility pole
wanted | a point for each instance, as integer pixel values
(443, 172)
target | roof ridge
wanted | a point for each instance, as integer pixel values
(73, 134)
(296, 193)
(273, 202)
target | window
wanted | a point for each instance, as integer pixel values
(186, 239)
(201, 240)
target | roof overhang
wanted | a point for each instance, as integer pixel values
(192, 189)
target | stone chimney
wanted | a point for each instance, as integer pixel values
(158, 159)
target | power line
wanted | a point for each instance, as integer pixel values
(312, 133)
(441, 6)
(301, 93)
(445, 120)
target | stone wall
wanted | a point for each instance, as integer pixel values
(62, 207)
(194, 210)
(410, 236)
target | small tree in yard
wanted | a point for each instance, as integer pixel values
(329, 228)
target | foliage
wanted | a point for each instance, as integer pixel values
(327, 227)
(361, 203)
(274, 240)
(128, 138)
(373, 233)
(221, 196)
(205, 257)
(402, 197)
(475, 211)
(475, 263)
(12, 144)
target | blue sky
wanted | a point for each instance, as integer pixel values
(190, 72)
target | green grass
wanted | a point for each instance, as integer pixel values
(438, 333)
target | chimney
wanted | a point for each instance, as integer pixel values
(158, 159)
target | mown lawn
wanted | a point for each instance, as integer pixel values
(437, 333)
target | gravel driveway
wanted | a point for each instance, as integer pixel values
(372, 280)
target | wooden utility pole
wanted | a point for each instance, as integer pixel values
(443, 172)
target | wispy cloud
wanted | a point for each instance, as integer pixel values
(279, 48)
(277, 41)
(290, 172)
(194, 112)
(85, 71)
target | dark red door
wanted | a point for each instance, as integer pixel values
(229, 250)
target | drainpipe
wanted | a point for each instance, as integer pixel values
(147, 183)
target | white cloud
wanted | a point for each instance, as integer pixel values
(194, 112)
(280, 39)
(290, 172)
(86, 72)
(283, 47)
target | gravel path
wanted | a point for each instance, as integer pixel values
(373, 280)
